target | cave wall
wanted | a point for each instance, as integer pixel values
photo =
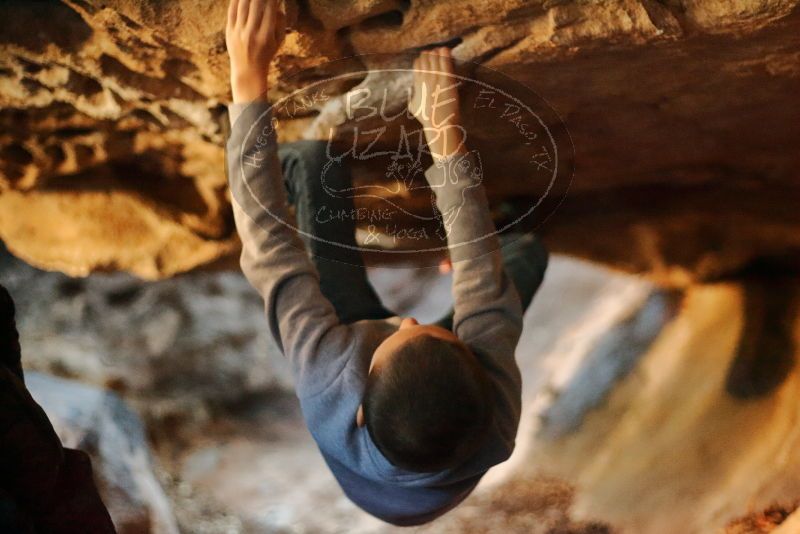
(684, 115)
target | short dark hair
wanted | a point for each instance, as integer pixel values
(428, 407)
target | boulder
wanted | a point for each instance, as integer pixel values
(683, 115)
(175, 348)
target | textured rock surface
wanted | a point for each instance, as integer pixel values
(684, 116)
(669, 447)
(176, 348)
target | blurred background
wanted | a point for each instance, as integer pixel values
(661, 393)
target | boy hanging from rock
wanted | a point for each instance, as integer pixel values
(408, 416)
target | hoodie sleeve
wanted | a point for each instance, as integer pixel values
(274, 259)
(487, 309)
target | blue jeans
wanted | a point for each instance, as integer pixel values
(343, 279)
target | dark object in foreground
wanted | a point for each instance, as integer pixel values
(44, 487)
(765, 355)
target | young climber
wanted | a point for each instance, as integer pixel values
(408, 416)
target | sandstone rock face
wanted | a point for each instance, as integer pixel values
(684, 116)
(672, 414)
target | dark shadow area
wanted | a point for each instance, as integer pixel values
(143, 174)
(42, 23)
(766, 352)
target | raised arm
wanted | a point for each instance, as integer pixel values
(274, 259)
(488, 313)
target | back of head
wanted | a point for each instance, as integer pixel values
(429, 408)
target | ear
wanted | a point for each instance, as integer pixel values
(360, 415)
